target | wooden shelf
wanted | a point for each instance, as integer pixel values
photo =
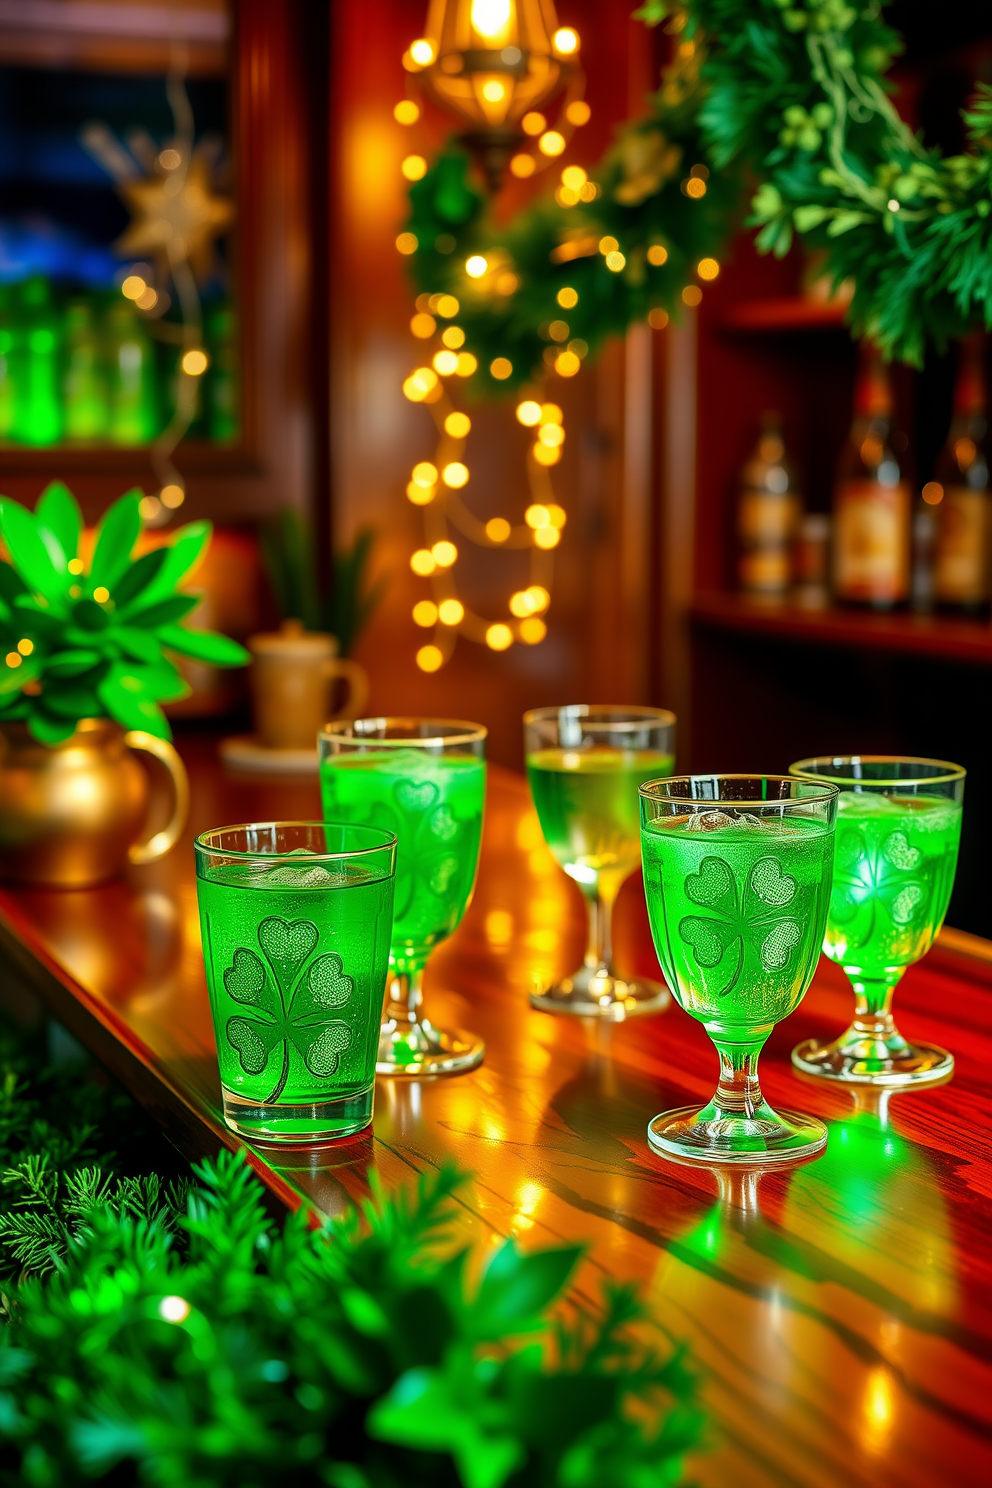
(967, 641)
(790, 313)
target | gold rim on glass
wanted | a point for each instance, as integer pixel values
(600, 715)
(655, 790)
(389, 841)
(805, 769)
(447, 731)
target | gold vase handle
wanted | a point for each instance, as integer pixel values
(160, 842)
(357, 679)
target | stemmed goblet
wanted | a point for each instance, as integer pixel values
(737, 881)
(585, 763)
(425, 780)
(898, 829)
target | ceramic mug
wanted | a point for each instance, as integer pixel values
(291, 676)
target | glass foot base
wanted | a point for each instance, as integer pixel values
(707, 1135)
(318, 1121)
(862, 1060)
(593, 992)
(421, 1049)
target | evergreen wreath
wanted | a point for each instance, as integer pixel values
(788, 93)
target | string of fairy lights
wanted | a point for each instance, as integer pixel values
(437, 485)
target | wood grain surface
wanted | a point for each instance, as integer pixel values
(841, 1310)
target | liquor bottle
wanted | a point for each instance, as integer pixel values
(959, 492)
(132, 377)
(222, 376)
(84, 395)
(34, 365)
(872, 504)
(768, 511)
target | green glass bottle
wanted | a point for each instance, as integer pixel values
(133, 414)
(35, 357)
(222, 377)
(84, 385)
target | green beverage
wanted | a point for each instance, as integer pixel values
(586, 802)
(296, 956)
(433, 802)
(737, 913)
(894, 872)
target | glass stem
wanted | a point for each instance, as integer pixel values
(873, 1011)
(738, 1093)
(404, 998)
(599, 950)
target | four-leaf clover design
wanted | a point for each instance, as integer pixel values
(867, 875)
(759, 918)
(291, 996)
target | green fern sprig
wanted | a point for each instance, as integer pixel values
(95, 644)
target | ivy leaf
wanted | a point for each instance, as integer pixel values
(29, 555)
(116, 536)
(60, 522)
(203, 645)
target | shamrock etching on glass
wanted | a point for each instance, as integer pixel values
(290, 995)
(868, 874)
(759, 918)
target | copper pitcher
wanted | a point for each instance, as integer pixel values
(71, 814)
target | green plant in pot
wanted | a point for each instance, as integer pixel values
(84, 665)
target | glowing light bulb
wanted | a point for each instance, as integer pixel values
(521, 604)
(552, 435)
(567, 364)
(453, 336)
(567, 298)
(493, 91)
(657, 319)
(551, 143)
(558, 515)
(447, 306)
(13, 658)
(539, 596)
(574, 177)
(608, 245)
(451, 612)
(532, 630)
(537, 517)
(497, 529)
(414, 167)
(133, 287)
(523, 166)
(444, 554)
(529, 412)
(615, 261)
(25, 646)
(565, 41)
(501, 368)
(446, 363)
(422, 52)
(692, 294)
(457, 425)
(425, 613)
(75, 565)
(407, 243)
(101, 594)
(406, 111)
(422, 562)
(707, 268)
(533, 123)
(170, 160)
(424, 473)
(466, 364)
(455, 475)
(172, 496)
(195, 362)
(695, 188)
(499, 637)
(551, 413)
(544, 455)
(430, 658)
(423, 325)
(578, 113)
(490, 17)
(657, 255)
(476, 266)
(547, 537)
(419, 495)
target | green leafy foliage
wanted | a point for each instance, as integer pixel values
(94, 645)
(344, 606)
(789, 94)
(174, 1335)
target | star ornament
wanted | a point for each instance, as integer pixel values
(175, 216)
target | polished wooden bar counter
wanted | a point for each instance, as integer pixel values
(840, 1310)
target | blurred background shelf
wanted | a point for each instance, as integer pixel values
(785, 313)
(934, 636)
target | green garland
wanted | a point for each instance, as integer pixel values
(171, 1334)
(791, 92)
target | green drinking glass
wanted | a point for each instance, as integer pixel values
(584, 764)
(898, 829)
(425, 780)
(737, 881)
(296, 919)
